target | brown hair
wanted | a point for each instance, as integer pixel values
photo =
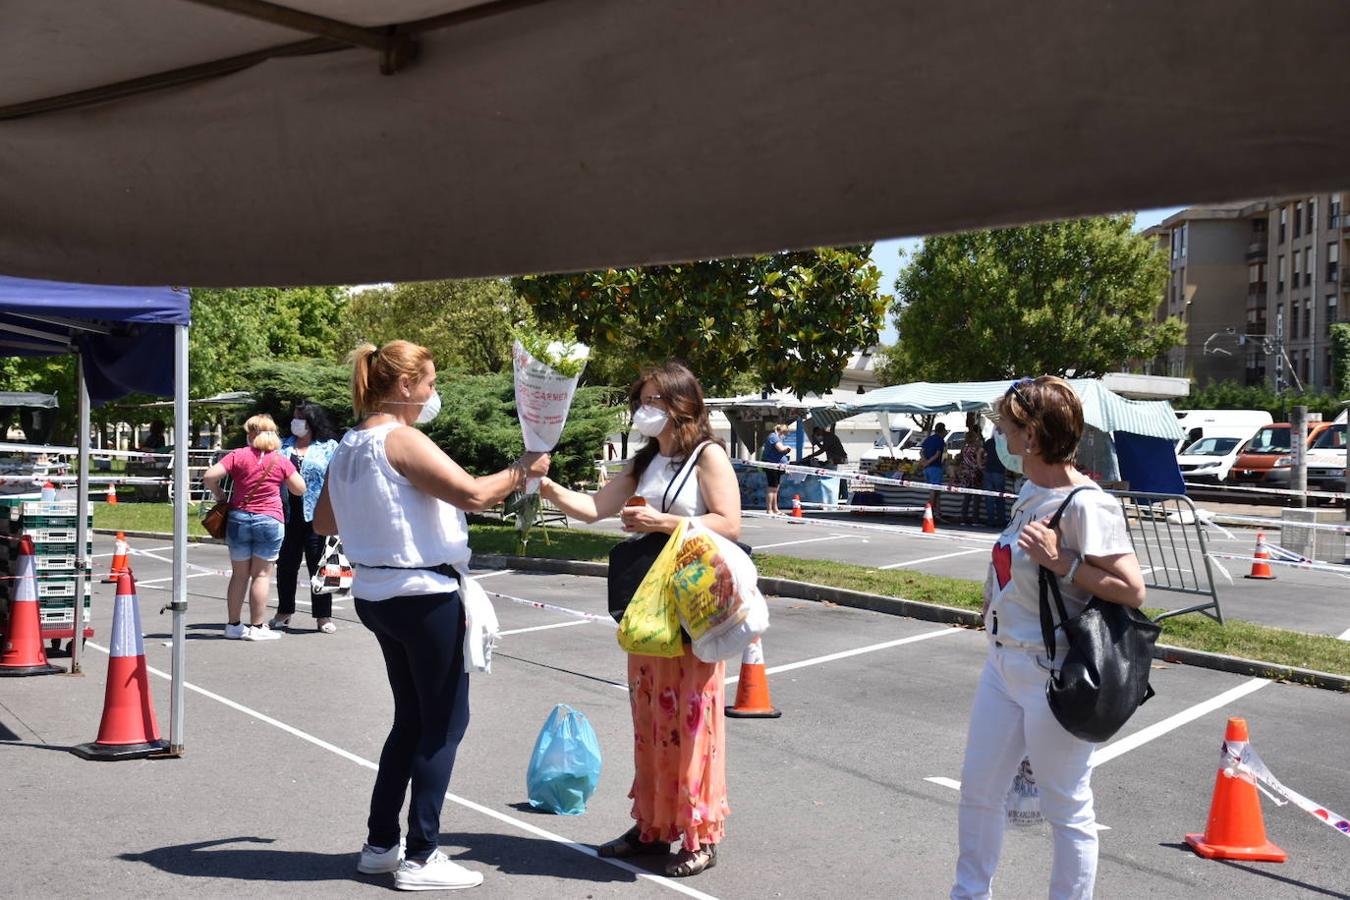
(262, 433)
(1048, 408)
(683, 397)
(375, 373)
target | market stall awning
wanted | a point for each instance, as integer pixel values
(123, 334)
(29, 399)
(1102, 409)
(162, 141)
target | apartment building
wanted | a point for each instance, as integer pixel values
(1268, 271)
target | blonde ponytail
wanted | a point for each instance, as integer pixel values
(375, 373)
(262, 433)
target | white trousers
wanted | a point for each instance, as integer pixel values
(1010, 719)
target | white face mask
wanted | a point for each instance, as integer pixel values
(299, 427)
(650, 421)
(430, 410)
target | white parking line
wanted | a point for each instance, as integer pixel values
(152, 582)
(928, 559)
(453, 798)
(543, 627)
(133, 552)
(832, 537)
(871, 648)
(1345, 635)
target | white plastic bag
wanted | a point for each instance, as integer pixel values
(1024, 798)
(481, 629)
(334, 575)
(717, 594)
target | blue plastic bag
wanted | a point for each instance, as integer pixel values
(565, 766)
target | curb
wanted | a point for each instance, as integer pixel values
(892, 606)
(161, 535)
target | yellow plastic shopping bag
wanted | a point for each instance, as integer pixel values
(651, 624)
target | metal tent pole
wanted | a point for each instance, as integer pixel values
(180, 527)
(83, 566)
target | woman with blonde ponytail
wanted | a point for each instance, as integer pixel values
(398, 501)
(256, 524)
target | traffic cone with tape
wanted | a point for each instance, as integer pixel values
(752, 688)
(1235, 829)
(1260, 568)
(112, 494)
(796, 506)
(928, 526)
(120, 564)
(22, 653)
(128, 729)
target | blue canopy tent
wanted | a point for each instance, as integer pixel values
(125, 339)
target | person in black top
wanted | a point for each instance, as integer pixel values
(995, 479)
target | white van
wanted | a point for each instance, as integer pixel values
(1211, 458)
(1202, 423)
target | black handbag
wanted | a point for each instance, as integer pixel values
(1104, 677)
(630, 560)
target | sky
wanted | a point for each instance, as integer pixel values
(887, 256)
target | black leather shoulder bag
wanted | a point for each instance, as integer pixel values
(1104, 677)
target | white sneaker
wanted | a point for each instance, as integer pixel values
(262, 633)
(438, 873)
(236, 632)
(373, 863)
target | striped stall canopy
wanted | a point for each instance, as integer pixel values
(1102, 409)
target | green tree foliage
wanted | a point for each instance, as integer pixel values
(1078, 296)
(278, 385)
(234, 328)
(1235, 395)
(478, 427)
(465, 324)
(787, 320)
(1340, 360)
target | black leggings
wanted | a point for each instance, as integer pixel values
(300, 540)
(422, 639)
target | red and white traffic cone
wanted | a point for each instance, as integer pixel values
(796, 506)
(752, 688)
(928, 526)
(128, 729)
(1260, 568)
(112, 494)
(120, 562)
(22, 652)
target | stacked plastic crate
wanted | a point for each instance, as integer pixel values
(51, 525)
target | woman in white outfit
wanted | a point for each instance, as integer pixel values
(1092, 556)
(398, 502)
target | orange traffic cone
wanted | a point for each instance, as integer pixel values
(928, 526)
(752, 688)
(1261, 569)
(120, 564)
(1235, 829)
(128, 729)
(796, 506)
(112, 494)
(22, 653)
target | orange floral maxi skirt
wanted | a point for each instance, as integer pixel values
(679, 749)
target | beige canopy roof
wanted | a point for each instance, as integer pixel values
(549, 135)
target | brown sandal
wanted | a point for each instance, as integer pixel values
(691, 862)
(630, 843)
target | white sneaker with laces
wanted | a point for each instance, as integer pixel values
(438, 873)
(236, 632)
(262, 633)
(376, 862)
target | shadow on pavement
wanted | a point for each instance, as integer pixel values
(212, 859)
(520, 855)
(1266, 873)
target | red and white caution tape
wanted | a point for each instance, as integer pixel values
(861, 478)
(1283, 492)
(1273, 523)
(905, 530)
(849, 508)
(1239, 760)
(1343, 571)
(574, 613)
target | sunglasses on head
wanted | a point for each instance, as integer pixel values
(1021, 398)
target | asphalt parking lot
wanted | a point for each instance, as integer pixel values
(848, 794)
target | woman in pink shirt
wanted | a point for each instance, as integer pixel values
(257, 522)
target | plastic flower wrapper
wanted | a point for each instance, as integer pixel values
(547, 368)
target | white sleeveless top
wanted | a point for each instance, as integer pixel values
(660, 472)
(384, 520)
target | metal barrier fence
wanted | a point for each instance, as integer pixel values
(1169, 540)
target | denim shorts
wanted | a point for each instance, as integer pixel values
(253, 534)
